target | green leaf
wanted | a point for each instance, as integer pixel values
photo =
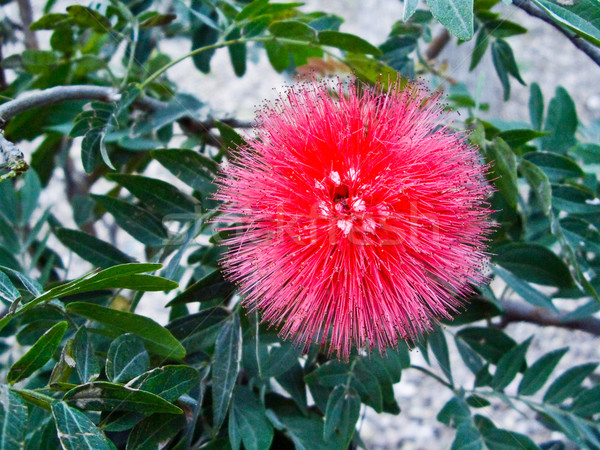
(86, 361)
(199, 331)
(230, 137)
(281, 359)
(467, 438)
(519, 137)
(536, 376)
(510, 365)
(293, 382)
(481, 44)
(76, 431)
(490, 343)
(98, 252)
(7, 290)
(158, 195)
(158, 340)
(13, 420)
(587, 403)
(504, 170)
(154, 19)
(89, 18)
(534, 263)
(567, 384)
(38, 355)
(168, 382)
(127, 358)
(454, 413)
(573, 199)
(213, 286)
(556, 167)
(29, 195)
(248, 422)
(496, 439)
(50, 21)
(528, 293)
(293, 29)
(343, 411)
(153, 432)
(589, 153)
(583, 16)
(540, 184)
(455, 15)
(138, 222)
(581, 234)
(189, 166)
(504, 53)
(278, 55)
(410, 6)
(536, 106)
(225, 368)
(105, 396)
(347, 42)
(439, 346)
(561, 122)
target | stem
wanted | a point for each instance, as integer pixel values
(26, 14)
(433, 375)
(222, 44)
(134, 40)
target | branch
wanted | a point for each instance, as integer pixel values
(586, 47)
(12, 159)
(524, 312)
(437, 45)
(26, 14)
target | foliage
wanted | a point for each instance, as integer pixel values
(87, 371)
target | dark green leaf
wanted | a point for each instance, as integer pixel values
(573, 199)
(490, 343)
(439, 346)
(467, 438)
(153, 432)
(540, 184)
(293, 29)
(587, 403)
(247, 421)
(589, 153)
(13, 420)
(534, 263)
(481, 45)
(138, 222)
(556, 167)
(7, 289)
(199, 331)
(168, 382)
(127, 358)
(504, 170)
(89, 18)
(76, 431)
(343, 410)
(158, 340)
(582, 16)
(580, 233)
(92, 249)
(278, 55)
(509, 365)
(454, 413)
(347, 42)
(519, 137)
(189, 166)
(496, 439)
(50, 21)
(212, 286)
(293, 382)
(154, 19)
(561, 122)
(225, 368)
(536, 106)
(38, 355)
(567, 384)
(528, 293)
(105, 396)
(157, 194)
(231, 138)
(281, 359)
(86, 361)
(455, 15)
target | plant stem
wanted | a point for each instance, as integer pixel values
(433, 375)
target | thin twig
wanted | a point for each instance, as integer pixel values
(26, 14)
(524, 312)
(437, 45)
(586, 47)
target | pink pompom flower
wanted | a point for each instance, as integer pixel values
(356, 216)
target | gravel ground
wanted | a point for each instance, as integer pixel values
(543, 56)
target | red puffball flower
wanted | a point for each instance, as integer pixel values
(357, 216)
